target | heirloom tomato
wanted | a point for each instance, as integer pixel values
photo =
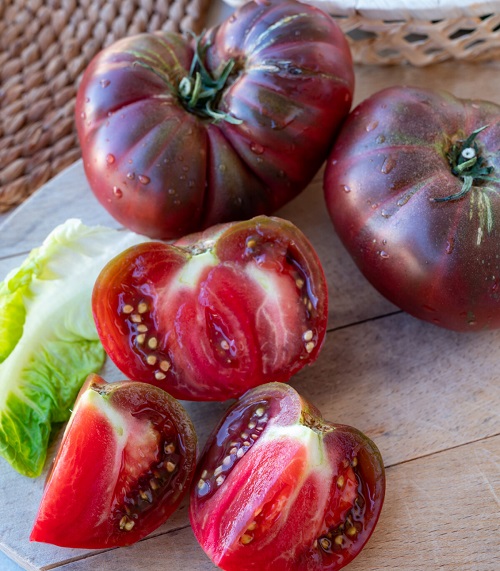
(126, 460)
(412, 188)
(216, 313)
(278, 487)
(180, 134)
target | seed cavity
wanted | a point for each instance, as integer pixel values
(226, 455)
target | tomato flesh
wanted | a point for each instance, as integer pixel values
(125, 462)
(216, 313)
(279, 487)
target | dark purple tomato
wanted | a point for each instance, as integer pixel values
(412, 188)
(178, 134)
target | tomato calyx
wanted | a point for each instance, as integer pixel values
(200, 90)
(468, 164)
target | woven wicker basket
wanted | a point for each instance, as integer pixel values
(44, 47)
(420, 32)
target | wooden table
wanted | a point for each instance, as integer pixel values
(429, 398)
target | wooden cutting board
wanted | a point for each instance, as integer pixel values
(428, 397)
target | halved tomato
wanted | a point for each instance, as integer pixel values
(216, 313)
(126, 460)
(278, 487)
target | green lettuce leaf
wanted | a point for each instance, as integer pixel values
(48, 340)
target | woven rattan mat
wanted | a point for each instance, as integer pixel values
(45, 45)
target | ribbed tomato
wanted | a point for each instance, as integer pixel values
(278, 487)
(412, 188)
(126, 460)
(216, 313)
(180, 134)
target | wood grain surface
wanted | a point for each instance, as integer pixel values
(429, 398)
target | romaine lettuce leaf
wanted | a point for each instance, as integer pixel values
(48, 340)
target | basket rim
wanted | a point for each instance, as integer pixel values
(402, 9)
(408, 9)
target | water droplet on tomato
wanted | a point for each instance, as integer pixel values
(105, 82)
(83, 115)
(385, 214)
(450, 245)
(380, 139)
(256, 148)
(117, 192)
(371, 126)
(383, 254)
(131, 175)
(346, 188)
(143, 179)
(110, 159)
(388, 165)
(222, 168)
(171, 191)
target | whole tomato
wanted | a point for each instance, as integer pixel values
(412, 188)
(217, 312)
(278, 487)
(179, 134)
(125, 462)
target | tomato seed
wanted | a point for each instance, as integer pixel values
(142, 307)
(127, 308)
(325, 543)
(164, 366)
(170, 467)
(136, 318)
(152, 343)
(308, 335)
(151, 359)
(141, 338)
(246, 539)
(142, 328)
(169, 448)
(160, 376)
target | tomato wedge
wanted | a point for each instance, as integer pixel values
(126, 460)
(278, 487)
(216, 313)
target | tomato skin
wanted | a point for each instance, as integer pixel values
(436, 260)
(216, 313)
(164, 171)
(115, 479)
(275, 479)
